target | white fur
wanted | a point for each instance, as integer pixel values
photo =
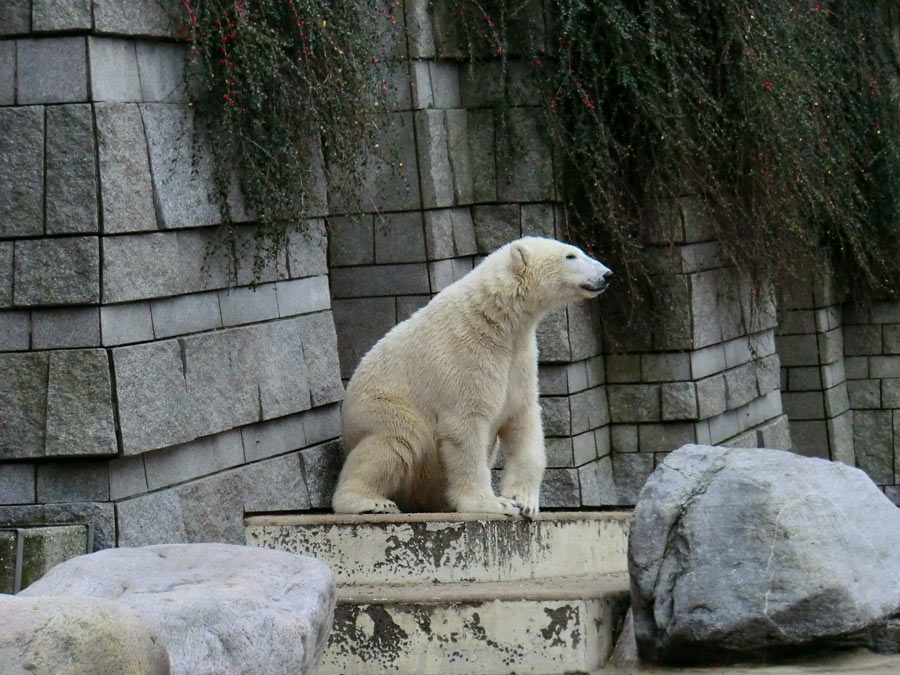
(432, 402)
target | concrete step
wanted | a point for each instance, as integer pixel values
(450, 547)
(537, 626)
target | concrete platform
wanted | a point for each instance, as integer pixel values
(465, 594)
(449, 547)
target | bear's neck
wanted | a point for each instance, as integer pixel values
(502, 307)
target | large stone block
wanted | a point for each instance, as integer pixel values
(449, 233)
(380, 280)
(15, 17)
(704, 308)
(243, 305)
(482, 155)
(434, 159)
(302, 296)
(80, 417)
(553, 337)
(202, 457)
(15, 330)
(322, 464)
(495, 226)
(185, 314)
(598, 487)
(183, 188)
(399, 238)
(21, 171)
(307, 250)
(634, 402)
(114, 70)
(360, 323)
(7, 71)
(57, 271)
(17, 483)
(51, 70)
(72, 481)
(435, 84)
(23, 404)
(161, 67)
(127, 477)
(65, 328)
(61, 15)
(351, 240)
(71, 171)
(679, 401)
(99, 515)
(155, 409)
(319, 338)
(631, 472)
(213, 508)
(524, 159)
(121, 324)
(273, 437)
(149, 18)
(873, 443)
(125, 183)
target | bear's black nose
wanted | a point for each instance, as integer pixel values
(607, 275)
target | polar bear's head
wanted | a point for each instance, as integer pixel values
(553, 274)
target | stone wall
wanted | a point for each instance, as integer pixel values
(144, 392)
(147, 395)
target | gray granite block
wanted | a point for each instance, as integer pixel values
(407, 305)
(631, 472)
(449, 233)
(15, 17)
(360, 323)
(154, 407)
(598, 487)
(185, 314)
(495, 226)
(121, 324)
(15, 330)
(435, 84)
(525, 160)
(244, 305)
(351, 240)
(434, 159)
(679, 401)
(399, 238)
(21, 171)
(7, 71)
(57, 271)
(635, 402)
(213, 508)
(71, 181)
(322, 423)
(101, 516)
(201, 457)
(307, 249)
(183, 188)
(553, 337)
(127, 477)
(408, 279)
(161, 67)
(302, 296)
(23, 404)
(320, 352)
(114, 70)
(65, 328)
(51, 70)
(17, 483)
(273, 437)
(150, 18)
(72, 481)
(125, 182)
(560, 489)
(322, 464)
(80, 417)
(61, 15)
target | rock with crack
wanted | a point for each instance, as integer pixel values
(751, 554)
(220, 608)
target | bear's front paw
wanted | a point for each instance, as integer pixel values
(489, 504)
(529, 501)
(352, 503)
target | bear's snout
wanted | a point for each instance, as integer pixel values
(599, 283)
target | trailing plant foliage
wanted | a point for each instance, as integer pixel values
(285, 93)
(781, 117)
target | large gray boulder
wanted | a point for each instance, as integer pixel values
(752, 553)
(220, 608)
(77, 636)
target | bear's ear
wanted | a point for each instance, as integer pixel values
(519, 256)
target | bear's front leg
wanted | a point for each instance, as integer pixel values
(524, 459)
(464, 453)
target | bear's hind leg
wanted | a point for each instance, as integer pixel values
(376, 468)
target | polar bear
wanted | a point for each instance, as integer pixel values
(431, 404)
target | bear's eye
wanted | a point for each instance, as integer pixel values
(571, 256)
